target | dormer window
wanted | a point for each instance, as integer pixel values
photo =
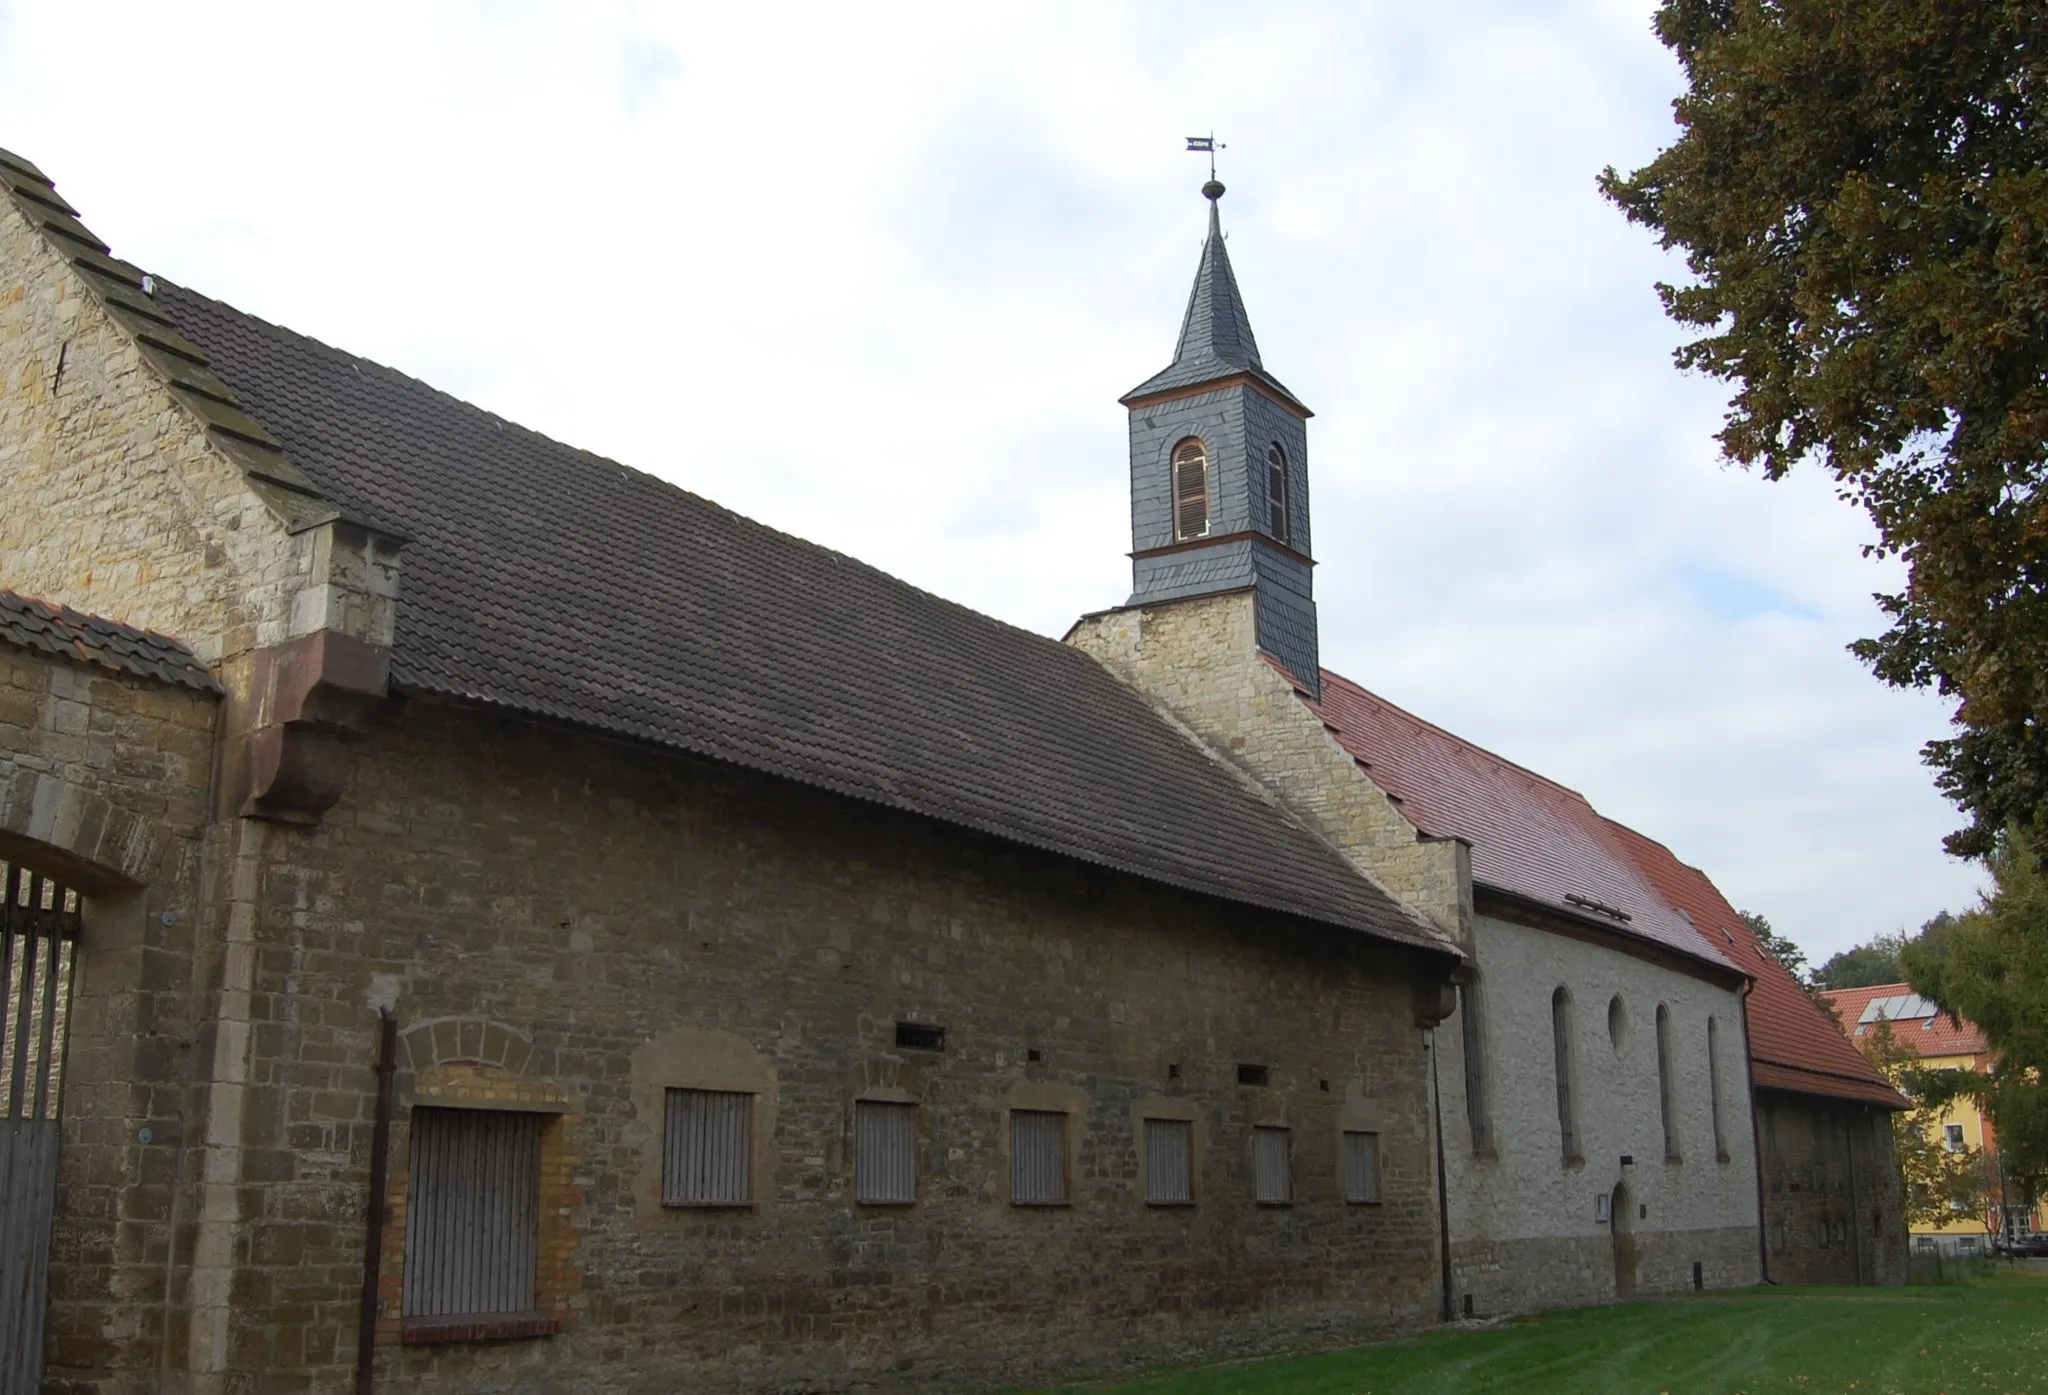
(1276, 491)
(1190, 490)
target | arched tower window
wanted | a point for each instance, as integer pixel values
(1276, 490)
(1561, 1048)
(1666, 1097)
(1190, 490)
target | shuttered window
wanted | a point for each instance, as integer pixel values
(1276, 491)
(1169, 1162)
(1190, 490)
(884, 1153)
(1038, 1157)
(472, 1211)
(1361, 1162)
(1271, 1183)
(707, 1149)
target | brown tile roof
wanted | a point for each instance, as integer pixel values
(1530, 837)
(1931, 1033)
(551, 581)
(44, 628)
(1793, 1045)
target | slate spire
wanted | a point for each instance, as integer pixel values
(1215, 334)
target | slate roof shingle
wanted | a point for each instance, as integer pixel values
(44, 628)
(1793, 1044)
(551, 581)
(1530, 836)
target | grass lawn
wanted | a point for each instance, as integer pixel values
(1961, 1339)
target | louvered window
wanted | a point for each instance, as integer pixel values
(1276, 490)
(1561, 1060)
(1169, 1162)
(1667, 1092)
(1361, 1163)
(708, 1149)
(472, 1212)
(1038, 1157)
(1271, 1183)
(1190, 490)
(884, 1153)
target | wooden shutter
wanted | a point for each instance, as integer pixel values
(472, 1212)
(1169, 1162)
(1271, 1183)
(708, 1149)
(1190, 490)
(1038, 1157)
(1361, 1167)
(884, 1153)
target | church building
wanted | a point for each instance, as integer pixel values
(480, 917)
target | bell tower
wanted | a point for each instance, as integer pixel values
(1219, 472)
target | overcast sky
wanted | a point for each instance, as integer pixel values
(877, 274)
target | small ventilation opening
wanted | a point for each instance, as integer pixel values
(1253, 1075)
(918, 1036)
(1032, 1053)
(1173, 1070)
(1468, 1305)
(1699, 1277)
(1324, 1086)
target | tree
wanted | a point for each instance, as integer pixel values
(1941, 1183)
(1790, 955)
(1990, 967)
(1861, 194)
(1865, 964)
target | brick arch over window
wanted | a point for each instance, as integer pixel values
(477, 1041)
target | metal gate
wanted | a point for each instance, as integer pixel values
(38, 957)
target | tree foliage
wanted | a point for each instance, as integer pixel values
(1864, 965)
(1941, 1183)
(1990, 967)
(1861, 194)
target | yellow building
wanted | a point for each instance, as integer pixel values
(1941, 1041)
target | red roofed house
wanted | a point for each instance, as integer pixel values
(1942, 1041)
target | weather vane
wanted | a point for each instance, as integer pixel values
(1208, 145)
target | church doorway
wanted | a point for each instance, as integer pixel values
(1621, 1212)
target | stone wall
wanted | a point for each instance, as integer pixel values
(579, 918)
(1834, 1209)
(103, 785)
(1198, 660)
(1526, 1224)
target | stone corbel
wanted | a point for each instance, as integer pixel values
(308, 698)
(1435, 998)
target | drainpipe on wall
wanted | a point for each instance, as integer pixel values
(1756, 1143)
(1443, 1195)
(380, 1204)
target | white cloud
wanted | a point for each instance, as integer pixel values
(877, 275)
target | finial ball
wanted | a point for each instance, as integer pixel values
(1212, 191)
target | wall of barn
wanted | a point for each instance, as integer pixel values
(1526, 1229)
(576, 926)
(103, 786)
(1834, 1208)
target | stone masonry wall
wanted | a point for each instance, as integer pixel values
(1834, 1211)
(582, 926)
(1526, 1231)
(103, 785)
(1198, 659)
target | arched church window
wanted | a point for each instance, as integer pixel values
(1561, 1049)
(1190, 490)
(1473, 1037)
(1276, 490)
(1714, 1084)
(1666, 1098)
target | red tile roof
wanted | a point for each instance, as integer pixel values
(72, 634)
(1934, 1035)
(1530, 837)
(1792, 1043)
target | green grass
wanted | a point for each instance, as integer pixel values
(1961, 1339)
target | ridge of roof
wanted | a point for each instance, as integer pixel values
(1531, 837)
(48, 628)
(1216, 338)
(549, 580)
(128, 296)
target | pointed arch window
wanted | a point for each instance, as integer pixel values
(1276, 491)
(1190, 490)
(1714, 1085)
(1667, 1094)
(1561, 1050)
